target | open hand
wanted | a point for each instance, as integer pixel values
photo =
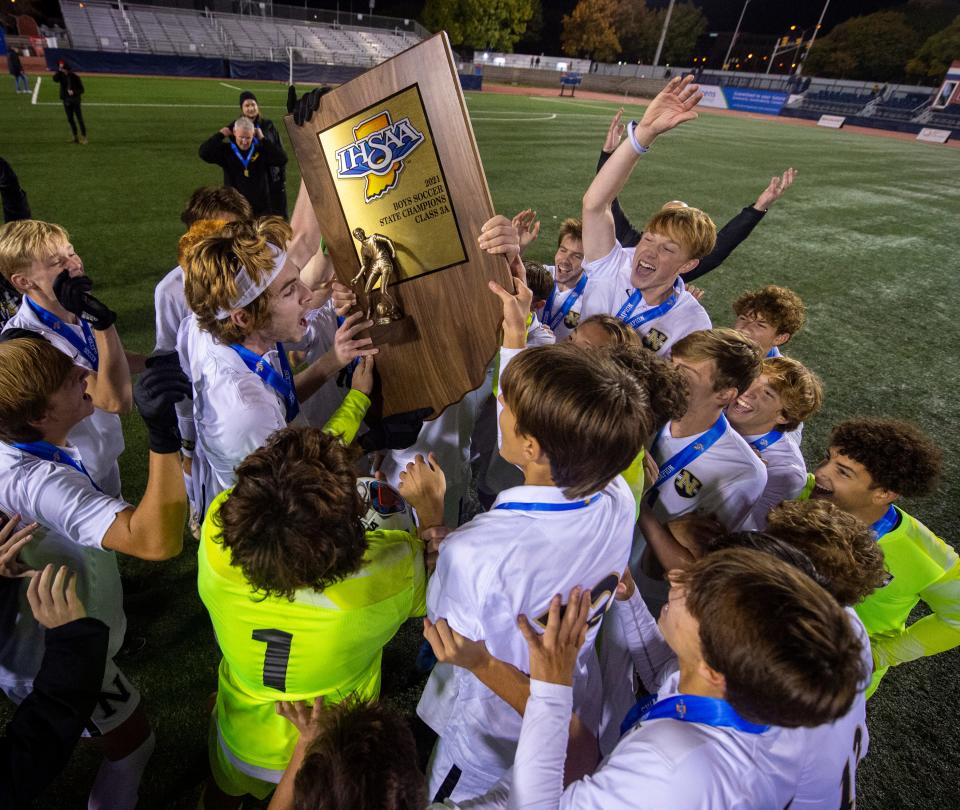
(672, 106)
(452, 648)
(554, 654)
(528, 227)
(302, 714)
(774, 191)
(516, 307)
(614, 133)
(53, 599)
(10, 544)
(346, 346)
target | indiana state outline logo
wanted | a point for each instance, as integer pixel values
(377, 153)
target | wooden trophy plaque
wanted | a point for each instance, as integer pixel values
(397, 186)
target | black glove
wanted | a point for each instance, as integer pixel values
(159, 388)
(74, 294)
(395, 432)
(304, 108)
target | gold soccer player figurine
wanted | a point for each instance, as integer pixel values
(378, 263)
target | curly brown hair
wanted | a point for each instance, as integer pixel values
(897, 454)
(782, 308)
(799, 389)
(736, 357)
(787, 651)
(211, 266)
(292, 520)
(842, 547)
(363, 755)
(665, 384)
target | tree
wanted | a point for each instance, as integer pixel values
(874, 47)
(687, 23)
(935, 55)
(531, 37)
(590, 30)
(495, 25)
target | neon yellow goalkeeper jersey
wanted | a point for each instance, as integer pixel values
(322, 643)
(921, 567)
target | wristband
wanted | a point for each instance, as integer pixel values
(638, 147)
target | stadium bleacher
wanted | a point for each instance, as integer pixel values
(105, 26)
(903, 107)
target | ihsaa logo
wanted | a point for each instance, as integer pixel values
(378, 152)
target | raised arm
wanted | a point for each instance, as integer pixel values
(672, 106)
(742, 225)
(154, 529)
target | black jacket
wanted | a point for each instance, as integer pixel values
(13, 63)
(278, 174)
(728, 237)
(254, 185)
(69, 81)
(46, 726)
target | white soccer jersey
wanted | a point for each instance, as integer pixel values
(825, 758)
(539, 335)
(73, 518)
(234, 411)
(786, 478)
(610, 287)
(657, 763)
(170, 304)
(563, 325)
(727, 480)
(505, 562)
(99, 437)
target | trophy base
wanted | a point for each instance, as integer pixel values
(392, 332)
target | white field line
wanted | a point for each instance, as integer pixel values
(231, 86)
(585, 104)
(36, 89)
(481, 117)
(138, 104)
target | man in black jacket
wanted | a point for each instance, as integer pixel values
(246, 158)
(277, 180)
(71, 88)
(15, 66)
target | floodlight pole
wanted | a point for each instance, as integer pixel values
(663, 33)
(736, 32)
(813, 38)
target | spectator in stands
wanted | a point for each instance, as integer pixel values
(15, 67)
(71, 89)
(267, 131)
(245, 157)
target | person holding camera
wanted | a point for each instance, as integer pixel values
(71, 89)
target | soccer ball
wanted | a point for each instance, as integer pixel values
(385, 507)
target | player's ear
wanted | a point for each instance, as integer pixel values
(712, 677)
(21, 282)
(532, 452)
(782, 338)
(689, 266)
(883, 497)
(726, 396)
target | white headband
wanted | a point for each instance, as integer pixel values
(249, 290)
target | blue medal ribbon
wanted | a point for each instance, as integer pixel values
(886, 523)
(553, 321)
(244, 160)
(87, 346)
(636, 299)
(687, 455)
(281, 383)
(50, 452)
(690, 709)
(766, 440)
(774, 352)
(548, 507)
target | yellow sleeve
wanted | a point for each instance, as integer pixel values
(346, 419)
(634, 476)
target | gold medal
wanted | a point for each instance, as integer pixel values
(246, 172)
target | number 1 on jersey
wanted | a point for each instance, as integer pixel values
(276, 657)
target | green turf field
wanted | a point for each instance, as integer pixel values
(865, 236)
